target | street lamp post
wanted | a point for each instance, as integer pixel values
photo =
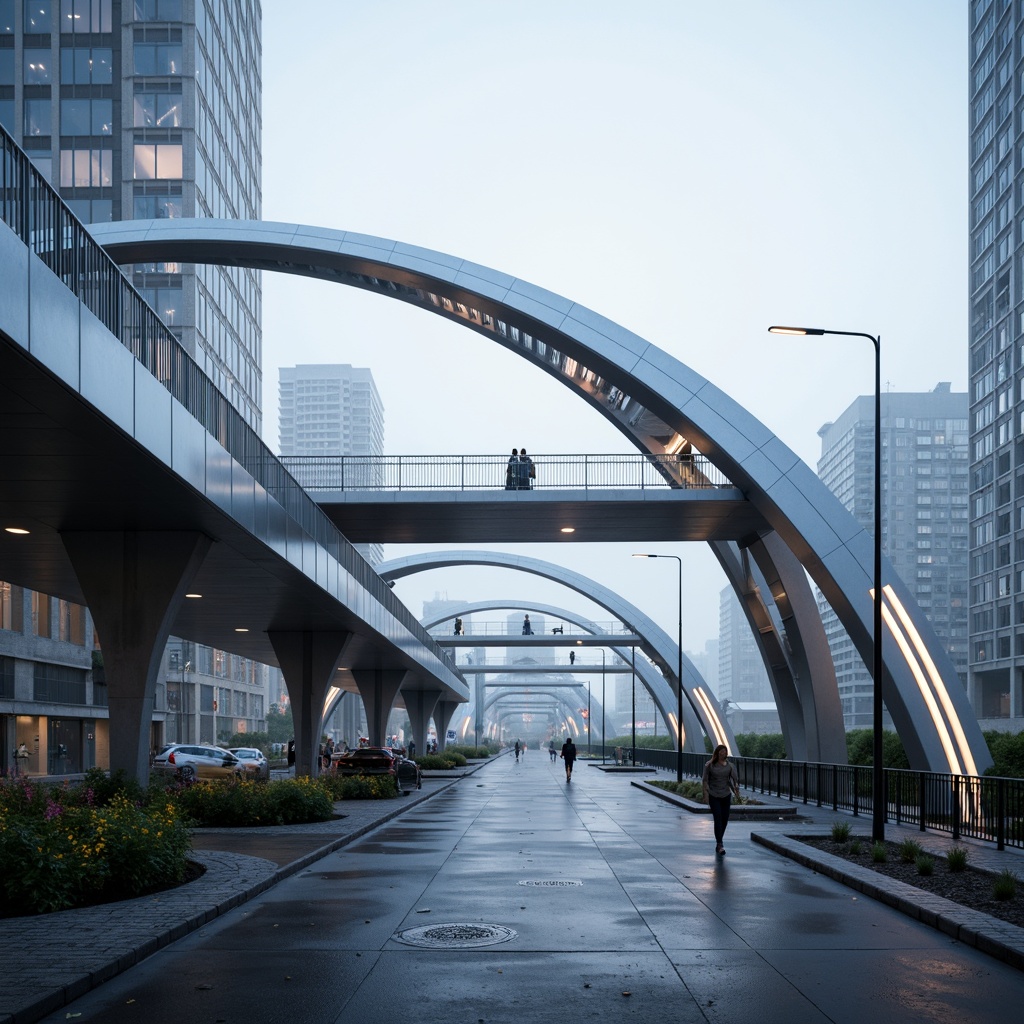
(602, 706)
(878, 769)
(679, 676)
(589, 745)
(632, 756)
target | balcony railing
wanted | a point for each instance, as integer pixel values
(491, 472)
(986, 808)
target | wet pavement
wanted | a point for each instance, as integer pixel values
(608, 904)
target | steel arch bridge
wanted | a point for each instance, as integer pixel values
(654, 682)
(658, 403)
(700, 709)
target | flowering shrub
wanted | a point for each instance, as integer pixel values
(56, 851)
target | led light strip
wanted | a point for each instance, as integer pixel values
(938, 684)
(709, 710)
(922, 685)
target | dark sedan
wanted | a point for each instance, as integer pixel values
(379, 761)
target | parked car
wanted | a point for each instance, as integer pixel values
(191, 761)
(253, 762)
(379, 761)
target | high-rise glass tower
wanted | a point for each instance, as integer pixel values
(138, 109)
(924, 516)
(996, 365)
(152, 108)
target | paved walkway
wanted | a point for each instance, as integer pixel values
(619, 909)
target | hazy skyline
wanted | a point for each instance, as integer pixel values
(694, 172)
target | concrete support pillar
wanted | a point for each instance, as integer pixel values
(420, 705)
(133, 585)
(308, 661)
(378, 688)
(479, 696)
(444, 712)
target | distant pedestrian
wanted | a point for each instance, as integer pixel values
(720, 783)
(517, 751)
(21, 760)
(512, 471)
(572, 657)
(291, 753)
(527, 628)
(569, 757)
(458, 627)
(551, 751)
(527, 471)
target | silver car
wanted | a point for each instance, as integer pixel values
(253, 762)
(191, 761)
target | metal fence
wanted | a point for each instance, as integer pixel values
(986, 808)
(36, 213)
(491, 472)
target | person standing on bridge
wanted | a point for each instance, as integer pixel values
(527, 472)
(527, 628)
(720, 782)
(512, 472)
(569, 757)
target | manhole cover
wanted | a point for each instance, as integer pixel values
(553, 883)
(456, 936)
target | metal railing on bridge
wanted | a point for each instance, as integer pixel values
(987, 808)
(491, 472)
(31, 207)
(501, 627)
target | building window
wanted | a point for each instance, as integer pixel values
(37, 70)
(158, 59)
(37, 117)
(85, 168)
(86, 117)
(81, 16)
(40, 615)
(158, 110)
(86, 66)
(158, 10)
(157, 161)
(11, 608)
(38, 16)
(157, 207)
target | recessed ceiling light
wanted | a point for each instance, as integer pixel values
(241, 629)
(193, 595)
(16, 530)
(568, 529)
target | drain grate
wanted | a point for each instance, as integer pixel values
(456, 936)
(552, 883)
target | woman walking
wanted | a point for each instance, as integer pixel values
(720, 782)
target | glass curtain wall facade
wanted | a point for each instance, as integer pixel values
(924, 517)
(138, 109)
(996, 287)
(150, 109)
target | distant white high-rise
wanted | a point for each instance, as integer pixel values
(924, 516)
(333, 411)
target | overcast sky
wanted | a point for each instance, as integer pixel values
(694, 171)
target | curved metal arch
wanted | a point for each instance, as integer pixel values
(657, 400)
(653, 681)
(657, 645)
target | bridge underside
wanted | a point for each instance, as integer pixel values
(450, 517)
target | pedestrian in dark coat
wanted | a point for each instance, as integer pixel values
(569, 757)
(720, 783)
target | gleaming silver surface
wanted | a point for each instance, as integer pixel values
(653, 398)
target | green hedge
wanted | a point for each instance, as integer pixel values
(244, 802)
